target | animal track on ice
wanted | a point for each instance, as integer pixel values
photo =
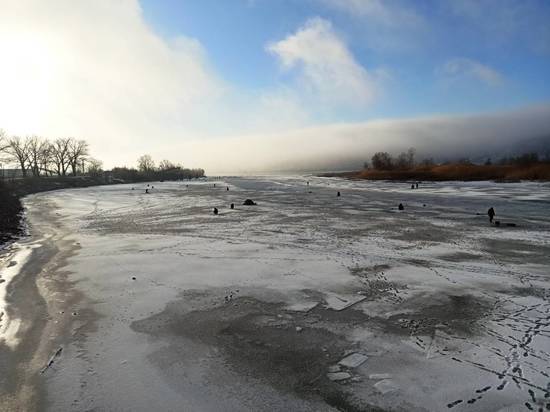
(518, 368)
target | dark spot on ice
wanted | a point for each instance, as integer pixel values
(538, 292)
(260, 338)
(344, 402)
(453, 314)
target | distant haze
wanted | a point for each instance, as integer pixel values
(348, 146)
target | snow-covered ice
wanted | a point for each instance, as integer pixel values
(453, 313)
(353, 361)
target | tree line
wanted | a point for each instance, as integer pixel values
(148, 170)
(406, 161)
(37, 156)
(385, 161)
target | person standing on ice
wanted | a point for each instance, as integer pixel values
(491, 213)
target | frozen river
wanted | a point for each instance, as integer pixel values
(127, 301)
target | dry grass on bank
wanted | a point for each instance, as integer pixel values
(458, 171)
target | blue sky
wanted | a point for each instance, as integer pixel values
(412, 41)
(262, 85)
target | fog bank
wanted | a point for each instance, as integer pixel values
(347, 146)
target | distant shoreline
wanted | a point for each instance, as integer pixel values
(453, 172)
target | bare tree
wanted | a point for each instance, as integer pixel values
(402, 161)
(411, 153)
(405, 160)
(146, 163)
(77, 152)
(45, 159)
(18, 151)
(38, 153)
(428, 162)
(4, 145)
(39, 156)
(94, 167)
(167, 165)
(382, 161)
(60, 155)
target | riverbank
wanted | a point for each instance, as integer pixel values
(454, 172)
(10, 214)
(11, 192)
(35, 297)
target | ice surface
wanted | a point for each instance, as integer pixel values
(386, 386)
(334, 368)
(338, 376)
(302, 306)
(339, 302)
(378, 376)
(12, 263)
(443, 303)
(353, 361)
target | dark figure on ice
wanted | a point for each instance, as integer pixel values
(215, 210)
(232, 206)
(337, 194)
(214, 184)
(147, 191)
(417, 185)
(491, 213)
(227, 188)
(401, 207)
(412, 186)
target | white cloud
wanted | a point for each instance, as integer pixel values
(96, 70)
(328, 71)
(463, 68)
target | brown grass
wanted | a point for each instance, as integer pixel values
(458, 171)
